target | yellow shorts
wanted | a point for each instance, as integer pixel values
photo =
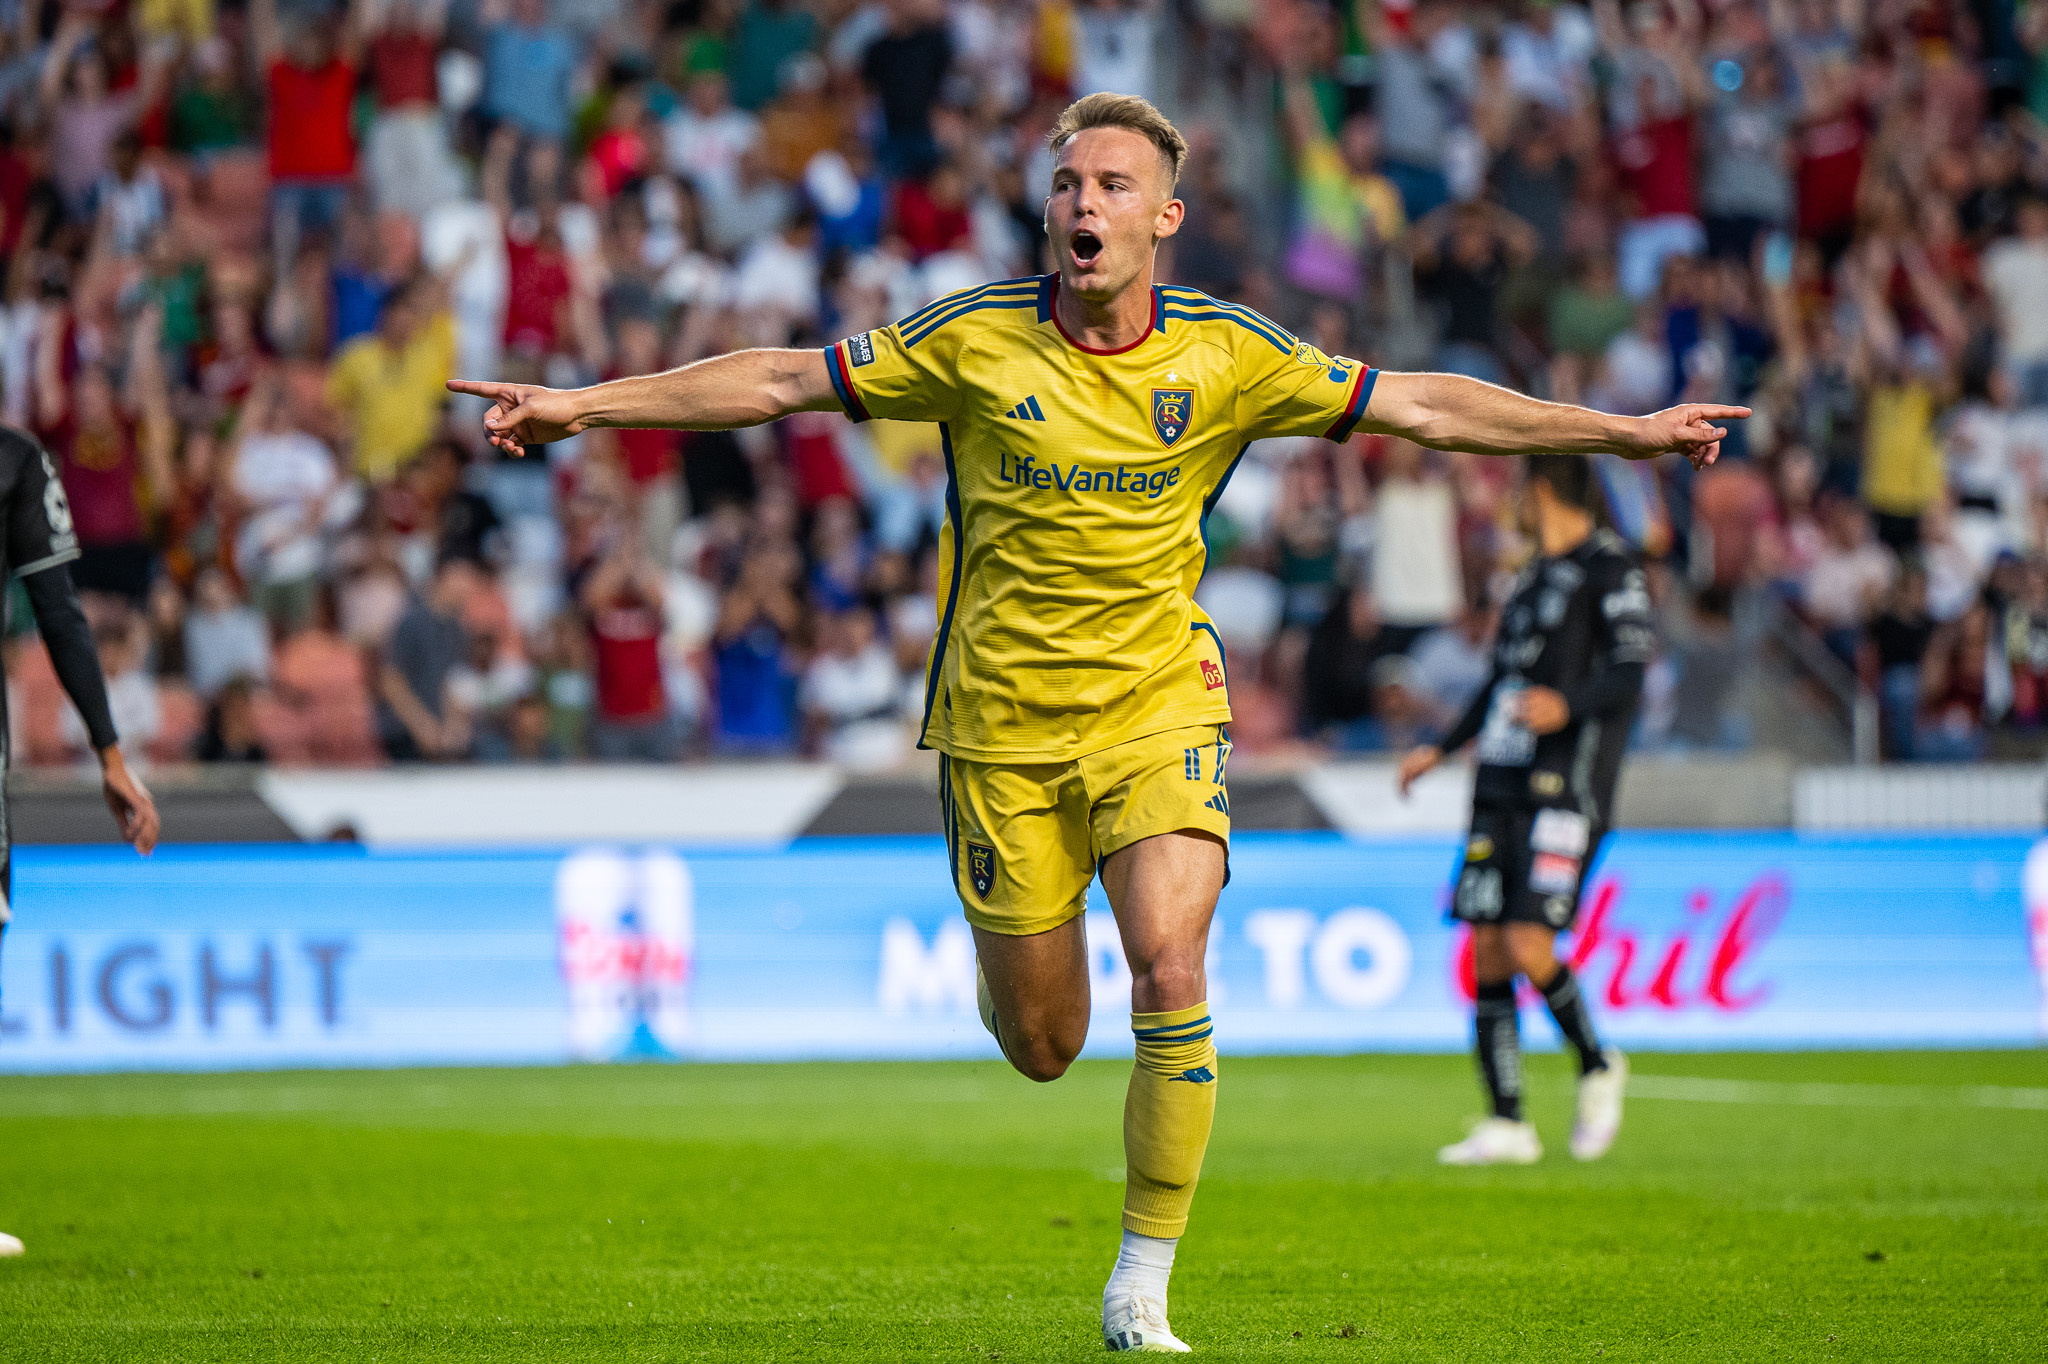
(1024, 839)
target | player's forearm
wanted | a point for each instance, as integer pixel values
(61, 621)
(744, 388)
(1451, 412)
(1467, 727)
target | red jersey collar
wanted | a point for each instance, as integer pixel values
(1156, 322)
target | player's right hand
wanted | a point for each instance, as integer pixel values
(130, 802)
(524, 414)
(1417, 762)
(1688, 429)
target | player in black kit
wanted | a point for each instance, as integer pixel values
(36, 542)
(1552, 722)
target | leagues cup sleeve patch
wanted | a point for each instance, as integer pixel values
(981, 868)
(1171, 409)
(861, 348)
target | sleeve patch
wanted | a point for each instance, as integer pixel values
(861, 348)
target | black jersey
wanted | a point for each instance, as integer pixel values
(1578, 624)
(35, 534)
(35, 519)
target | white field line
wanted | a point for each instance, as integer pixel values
(1698, 1089)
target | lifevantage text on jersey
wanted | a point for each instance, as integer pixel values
(1029, 473)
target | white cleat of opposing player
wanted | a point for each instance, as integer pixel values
(1599, 1117)
(1135, 1321)
(1495, 1141)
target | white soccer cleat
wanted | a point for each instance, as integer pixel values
(1495, 1141)
(1134, 1321)
(1599, 1119)
(11, 1245)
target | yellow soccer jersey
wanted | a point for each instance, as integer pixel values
(1079, 480)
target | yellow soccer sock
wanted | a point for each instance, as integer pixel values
(1167, 1115)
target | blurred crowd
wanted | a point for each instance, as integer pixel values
(246, 243)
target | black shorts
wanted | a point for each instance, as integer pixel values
(1525, 866)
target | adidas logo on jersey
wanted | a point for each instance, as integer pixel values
(1027, 411)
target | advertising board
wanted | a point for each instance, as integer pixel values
(220, 957)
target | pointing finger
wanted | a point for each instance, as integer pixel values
(476, 388)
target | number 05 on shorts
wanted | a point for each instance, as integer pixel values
(1024, 839)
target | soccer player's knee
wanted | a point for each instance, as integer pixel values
(1491, 959)
(1045, 1057)
(1173, 979)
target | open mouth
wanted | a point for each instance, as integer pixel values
(1085, 247)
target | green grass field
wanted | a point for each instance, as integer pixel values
(1885, 1206)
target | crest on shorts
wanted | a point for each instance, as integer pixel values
(1172, 409)
(981, 868)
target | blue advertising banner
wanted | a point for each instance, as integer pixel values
(317, 955)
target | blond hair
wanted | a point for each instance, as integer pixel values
(1133, 112)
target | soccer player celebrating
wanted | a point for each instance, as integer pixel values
(1551, 721)
(1076, 693)
(36, 542)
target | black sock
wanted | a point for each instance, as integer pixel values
(1568, 1006)
(1498, 1042)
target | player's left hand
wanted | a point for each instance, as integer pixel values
(1544, 710)
(130, 802)
(1688, 429)
(1416, 764)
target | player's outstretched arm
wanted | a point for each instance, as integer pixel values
(744, 388)
(1451, 412)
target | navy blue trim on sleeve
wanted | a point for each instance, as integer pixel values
(1361, 394)
(842, 383)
